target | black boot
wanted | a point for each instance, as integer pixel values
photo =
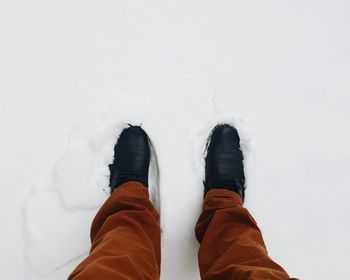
(224, 161)
(131, 158)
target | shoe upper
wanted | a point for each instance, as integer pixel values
(224, 160)
(131, 158)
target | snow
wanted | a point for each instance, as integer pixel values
(74, 73)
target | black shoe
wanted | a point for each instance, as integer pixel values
(131, 158)
(224, 160)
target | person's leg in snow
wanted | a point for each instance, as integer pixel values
(125, 233)
(232, 246)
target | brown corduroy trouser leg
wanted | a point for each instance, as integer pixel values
(232, 246)
(125, 236)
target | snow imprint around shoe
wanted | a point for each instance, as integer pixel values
(58, 213)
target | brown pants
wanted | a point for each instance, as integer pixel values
(125, 237)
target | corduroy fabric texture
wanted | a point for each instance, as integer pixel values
(125, 236)
(232, 246)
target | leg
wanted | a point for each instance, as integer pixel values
(125, 233)
(125, 237)
(232, 246)
(231, 243)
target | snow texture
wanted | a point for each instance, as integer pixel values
(74, 73)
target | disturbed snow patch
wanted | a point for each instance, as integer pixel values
(58, 214)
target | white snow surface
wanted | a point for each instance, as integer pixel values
(74, 73)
